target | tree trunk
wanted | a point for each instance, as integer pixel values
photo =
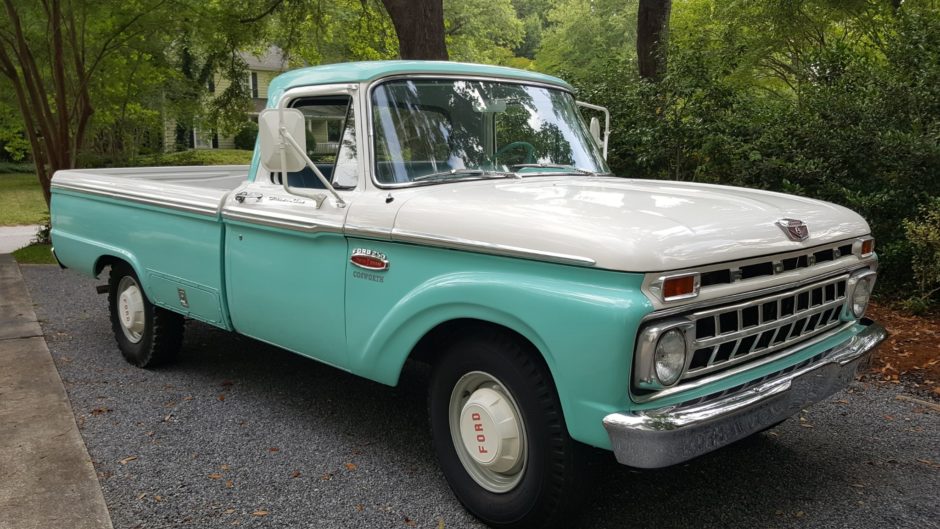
(652, 25)
(420, 28)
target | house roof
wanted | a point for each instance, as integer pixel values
(272, 60)
(356, 72)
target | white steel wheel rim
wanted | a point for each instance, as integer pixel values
(131, 309)
(501, 468)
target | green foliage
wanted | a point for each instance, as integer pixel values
(923, 233)
(481, 30)
(16, 167)
(14, 147)
(245, 139)
(585, 38)
(196, 157)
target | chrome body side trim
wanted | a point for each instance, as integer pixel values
(188, 205)
(455, 243)
(367, 232)
(670, 435)
(280, 220)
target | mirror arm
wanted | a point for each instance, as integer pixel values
(326, 183)
(606, 121)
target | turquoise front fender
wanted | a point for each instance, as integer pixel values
(582, 321)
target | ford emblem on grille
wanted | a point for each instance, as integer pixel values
(795, 229)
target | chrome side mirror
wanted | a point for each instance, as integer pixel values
(269, 135)
(282, 133)
(596, 126)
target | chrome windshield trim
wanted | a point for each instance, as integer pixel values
(279, 220)
(455, 243)
(189, 206)
(370, 144)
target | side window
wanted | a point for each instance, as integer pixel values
(331, 143)
(346, 172)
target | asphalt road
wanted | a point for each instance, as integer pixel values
(238, 433)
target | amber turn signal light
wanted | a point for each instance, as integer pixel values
(868, 247)
(680, 287)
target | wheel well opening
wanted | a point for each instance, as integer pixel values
(107, 260)
(431, 344)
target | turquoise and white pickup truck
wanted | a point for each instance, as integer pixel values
(464, 216)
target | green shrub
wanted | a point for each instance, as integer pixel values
(196, 157)
(923, 236)
(245, 139)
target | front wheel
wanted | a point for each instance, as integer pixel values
(500, 436)
(147, 336)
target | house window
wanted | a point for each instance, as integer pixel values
(210, 84)
(253, 84)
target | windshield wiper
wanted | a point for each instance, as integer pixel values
(461, 174)
(569, 168)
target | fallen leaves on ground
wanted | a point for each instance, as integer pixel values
(351, 466)
(215, 476)
(101, 411)
(127, 460)
(260, 512)
(909, 354)
(295, 474)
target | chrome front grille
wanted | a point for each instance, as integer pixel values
(734, 334)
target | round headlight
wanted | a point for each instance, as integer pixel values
(860, 297)
(669, 357)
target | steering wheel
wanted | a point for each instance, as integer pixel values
(529, 150)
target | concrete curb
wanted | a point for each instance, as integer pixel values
(46, 475)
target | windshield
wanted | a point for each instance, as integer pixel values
(437, 130)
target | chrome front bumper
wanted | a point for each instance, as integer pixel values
(663, 437)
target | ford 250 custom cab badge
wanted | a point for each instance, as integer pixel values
(464, 216)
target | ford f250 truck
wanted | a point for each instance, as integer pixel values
(464, 216)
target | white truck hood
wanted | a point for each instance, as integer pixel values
(620, 224)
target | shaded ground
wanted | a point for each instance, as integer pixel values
(238, 433)
(911, 354)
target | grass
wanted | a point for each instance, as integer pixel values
(21, 200)
(34, 254)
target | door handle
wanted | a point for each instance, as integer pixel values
(241, 196)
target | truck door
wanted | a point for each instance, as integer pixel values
(285, 257)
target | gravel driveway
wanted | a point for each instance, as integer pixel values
(238, 433)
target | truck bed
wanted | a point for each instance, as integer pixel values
(164, 221)
(198, 189)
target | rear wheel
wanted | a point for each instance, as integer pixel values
(147, 336)
(500, 435)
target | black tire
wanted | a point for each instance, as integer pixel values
(551, 484)
(161, 331)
